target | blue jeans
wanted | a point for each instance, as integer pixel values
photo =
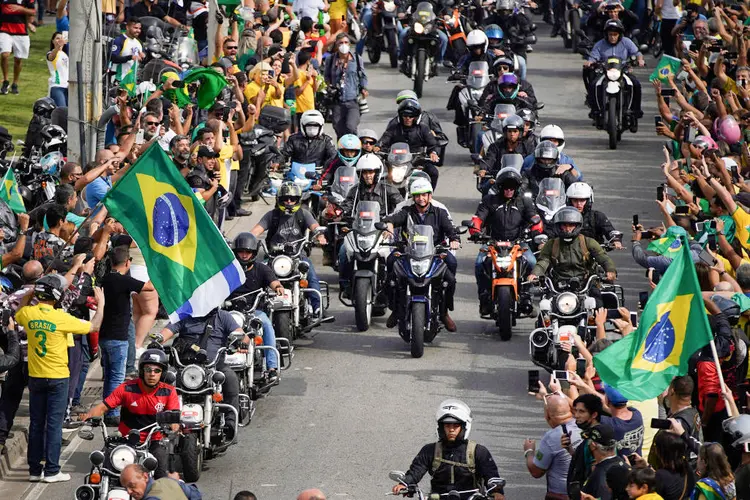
(366, 16)
(314, 283)
(48, 398)
(60, 96)
(522, 67)
(84, 370)
(130, 365)
(114, 360)
(403, 32)
(269, 338)
(482, 283)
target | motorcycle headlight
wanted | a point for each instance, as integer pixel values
(421, 266)
(418, 28)
(238, 317)
(476, 94)
(192, 377)
(503, 261)
(122, 456)
(366, 242)
(567, 303)
(398, 173)
(283, 266)
(613, 74)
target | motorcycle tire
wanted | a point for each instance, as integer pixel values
(567, 37)
(656, 47)
(392, 47)
(191, 456)
(373, 50)
(418, 320)
(421, 67)
(575, 28)
(475, 128)
(282, 325)
(504, 308)
(612, 122)
(363, 304)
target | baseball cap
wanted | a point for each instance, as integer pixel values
(602, 434)
(614, 396)
(206, 152)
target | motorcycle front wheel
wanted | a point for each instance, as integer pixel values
(504, 306)
(418, 320)
(282, 325)
(392, 47)
(373, 49)
(191, 455)
(575, 28)
(612, 122)
(419, 71)
(363, 304)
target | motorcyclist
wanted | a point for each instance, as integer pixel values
(288, 222)
(610, 9)
(614, 44)
(310, 144)
(570, 254)
(43, 108)
(257, 276)
(503, 215)
(369, 140)
(547, 164)
(510, 143)
(516, 29)
(470, 466)
(529, 124)
(140, 400)
(422, 211)
(503, 65)
(404, 48)
(408, 129)
(427, 117)
(418, 174)
(507, 90)
(349, 149)
(596, 225)
(495, 38)
(556, 135)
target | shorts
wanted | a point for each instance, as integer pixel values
(139, 272)
(18, 44)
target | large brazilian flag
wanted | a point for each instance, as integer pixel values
(673, 327)
(187, 258)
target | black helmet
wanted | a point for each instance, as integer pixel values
(568, 215)
(153, 357)
(513, 122)
(547, 152)
(44, 107)
(508, 178)
(55, 139)
(289, 190)
(409, 107)
(614, 25)
(50, 287)
(247, 242)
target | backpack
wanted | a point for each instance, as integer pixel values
(471, 450)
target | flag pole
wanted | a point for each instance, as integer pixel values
(721, 376)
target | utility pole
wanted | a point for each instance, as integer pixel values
(85, 80)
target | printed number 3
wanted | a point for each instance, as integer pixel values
(41, 351)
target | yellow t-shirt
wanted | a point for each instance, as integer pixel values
(306, 100)
(742, 221)
(252, 89)
(48, 330)
(337, 9)
(649, 409)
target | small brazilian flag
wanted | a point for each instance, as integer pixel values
(667, 66)
(129, 81)
(187, 258)
(672, 328)
(10, 194)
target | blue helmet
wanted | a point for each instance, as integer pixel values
(494, 34)
(508, 86)
(349, 142)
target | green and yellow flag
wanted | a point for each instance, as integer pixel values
(673, 327)
(670, 242)
(10, 194)
(666, 67)
(211, 85)
(187, 258)
(129, 82)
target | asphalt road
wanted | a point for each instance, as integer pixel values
(356, 405)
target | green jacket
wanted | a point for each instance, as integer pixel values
(570, 261)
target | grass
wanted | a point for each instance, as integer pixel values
(16, 110)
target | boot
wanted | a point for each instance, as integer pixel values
(392, 320)
(461, 136)
(555, 30)
(327, 257)
(485, 306)
(450, 325)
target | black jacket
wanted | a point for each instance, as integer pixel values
(516, 28)
(436, 217)
(505, 220)
(596, 225)
(499, 148)
(319, 150)
(491, 97)
(12, 354)
(441, 478)
(385, 194)
(427, 118)
(416, 136)
(533, 176)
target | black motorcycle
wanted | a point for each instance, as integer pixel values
(423, 45)
(614, 97)
(383, 37)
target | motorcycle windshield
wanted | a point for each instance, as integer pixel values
(187, 51)
(501, 112)
(514, 161)
(421, 243)
(479, 75)
(51, 162)
(424, 13)
(551, 194)
(399, 154)
(344, 180)
(367, 215)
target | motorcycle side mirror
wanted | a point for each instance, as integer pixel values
(539, 105)
(311, 175)
(86, 433)
(462, 230)
(150, 464)
(134, 437)
(168, 417)
(449, 64)
(496, 482)
(397, 476)
(541, 239)
(467, 223)
(616, 235)
(381, 226)
(170, 377)
(20, 142)
(643, 48)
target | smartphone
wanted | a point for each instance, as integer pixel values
(581, 367)
(634, 319)
(632, 458)
(660, 423)
(140, 136)
(710, 224)
(271, 73)
(561, 375)
(658, 120)
(642, 299)
(613, 314)
(647, 235)
(732, 55)
(667, 92)
(534, 381)
(699, 227)
(712, 244)
(565, 429)
(635, 220)
(65, 36)
(682, 210)
(707, 258)
(714, 48)
(574, 489)
(660, 193)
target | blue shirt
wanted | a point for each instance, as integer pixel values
(354, 79)
(61, 25)
(96, 190)
(628, 433)
(528, 162)
(603, 50)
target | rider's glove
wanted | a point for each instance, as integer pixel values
(476, 226)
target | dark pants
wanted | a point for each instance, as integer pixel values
(231, 392)
(589, 79)
(259, 172)
(160, 453)
(449, 276)
(15, 382)
(85, 353)
(433, 172)
(667, 39)
(242, 177)
(233, 204)
(75, 364)
(345, 118)
(48, 398)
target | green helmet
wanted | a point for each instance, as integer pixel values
(289, 190)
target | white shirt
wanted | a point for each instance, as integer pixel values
(307, 8)
(58, 70)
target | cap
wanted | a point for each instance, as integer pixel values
(206, 152)
(603, 434)
(743, 198)
(218, 106)
(614, 396)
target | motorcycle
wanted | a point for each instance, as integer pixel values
(456, 24)
(383, 37)
(486, 184)
(424, 45)
(344, 179)
(572, 33)
(550, 198)
(259, 148)
(364, 245)
(412, 490)
(477, 78)
(292, 313)
(400, 165)
(494, 132)
(103, 481)
(614, 96)
(303, 175)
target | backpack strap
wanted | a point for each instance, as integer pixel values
(437, 457)
(471, 453)
(584, 249)
(555, 254)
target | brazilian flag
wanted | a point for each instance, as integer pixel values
(667, 66)
(9, 193)
(670, 243)
(187, 258)
(672, 328)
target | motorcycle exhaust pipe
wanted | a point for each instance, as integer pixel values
(85, 492)
(539, 338)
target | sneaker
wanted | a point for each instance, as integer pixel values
(77, 409)
(72, 424)
(14, 89)
(273, 376)
(36, 479)
(4, 88)
(241, 212)
(60, 477)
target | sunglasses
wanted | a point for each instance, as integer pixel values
(233, 47)
(368, 143)
(152, 124)
(152, 370)
(289, 199)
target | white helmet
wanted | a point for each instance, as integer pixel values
(420, 186)
(369, 161)
(455, 411)
(311, 123)
(579, 191)
(476, 37)
(553, 132)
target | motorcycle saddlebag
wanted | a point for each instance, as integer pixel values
(275, 118)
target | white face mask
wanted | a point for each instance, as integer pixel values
(344, 48)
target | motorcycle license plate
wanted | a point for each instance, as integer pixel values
(287, 295)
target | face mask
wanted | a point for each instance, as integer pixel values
(344, 48)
